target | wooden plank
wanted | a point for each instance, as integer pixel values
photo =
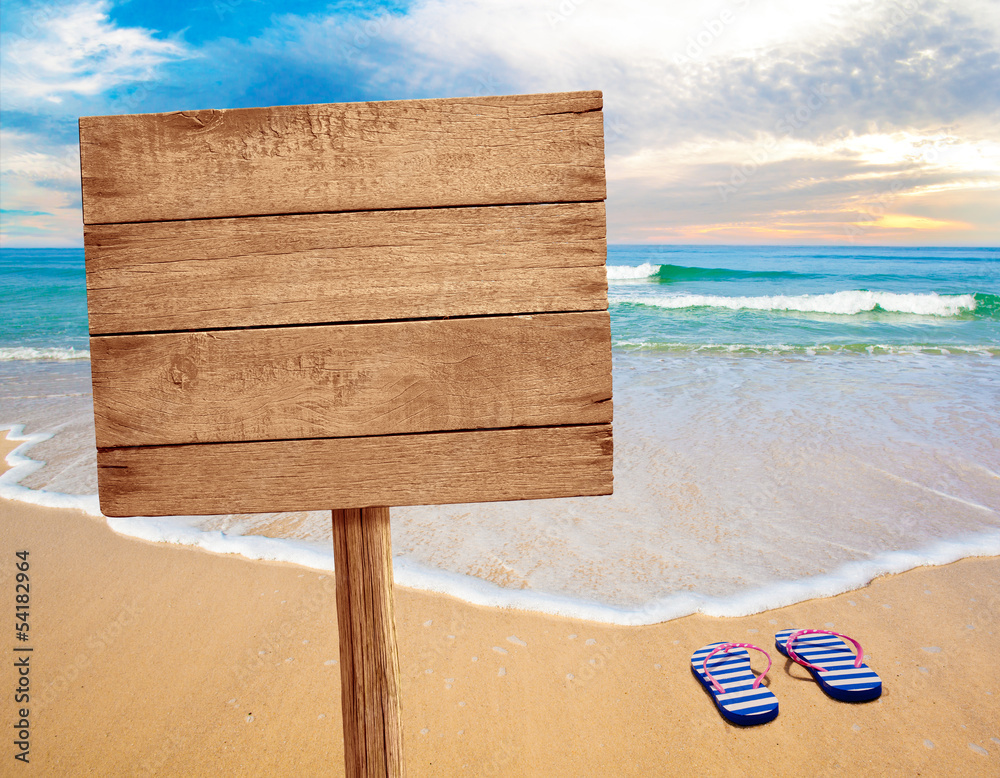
(302, 475)
(352, 379)
(369, 664)
(343, 157)
(317, 268)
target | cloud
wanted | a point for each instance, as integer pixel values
(39, 191)
(922, 69)
(704, 191)
(670, 71)
(57, 61)
(75, 50)
(725, 118)
(28, 156)
(719, 114)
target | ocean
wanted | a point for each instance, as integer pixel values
(789, 423)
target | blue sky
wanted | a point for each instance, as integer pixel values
(730, 121)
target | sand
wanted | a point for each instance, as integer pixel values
(154, 659)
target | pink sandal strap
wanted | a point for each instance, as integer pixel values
(795, 635)
(725, 648)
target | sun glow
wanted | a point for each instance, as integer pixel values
(902, 221)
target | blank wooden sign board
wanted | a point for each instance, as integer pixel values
(350, 306)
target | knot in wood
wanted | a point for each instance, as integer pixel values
(183, 372)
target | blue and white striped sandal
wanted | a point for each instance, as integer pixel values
(741, 700)
(833, 665)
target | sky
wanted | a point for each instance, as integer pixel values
(867, 122)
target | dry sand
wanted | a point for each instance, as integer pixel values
(153, 659)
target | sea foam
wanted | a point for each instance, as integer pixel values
(174, 530)
(676, 539)
(631, 272)
(29, 353)
(21, 466)
(808, 349)
(842, 303)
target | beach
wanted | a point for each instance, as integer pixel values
(157, 659)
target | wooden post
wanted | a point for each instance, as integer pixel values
(369, 666)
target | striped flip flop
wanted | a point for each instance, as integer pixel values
(724, 670)
(833, 665)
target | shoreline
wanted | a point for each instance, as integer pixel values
(847, 577)
(250, 651)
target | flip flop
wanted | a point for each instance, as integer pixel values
(724, 670)
(833, 665)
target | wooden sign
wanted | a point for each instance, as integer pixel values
(355, 304)
(346, 306)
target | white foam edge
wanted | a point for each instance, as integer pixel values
(848, 577)
(21, 466)
(641, 272)
(45, 354)
(923, 349)
(843, 303)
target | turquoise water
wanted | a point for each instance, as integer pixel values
(689, 298)
(44, 297)
(805, 299)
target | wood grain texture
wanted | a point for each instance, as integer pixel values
(272, 294)
(369, 665)
(343, 157)
(318, 268)
(352, 379)
(394, 470)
